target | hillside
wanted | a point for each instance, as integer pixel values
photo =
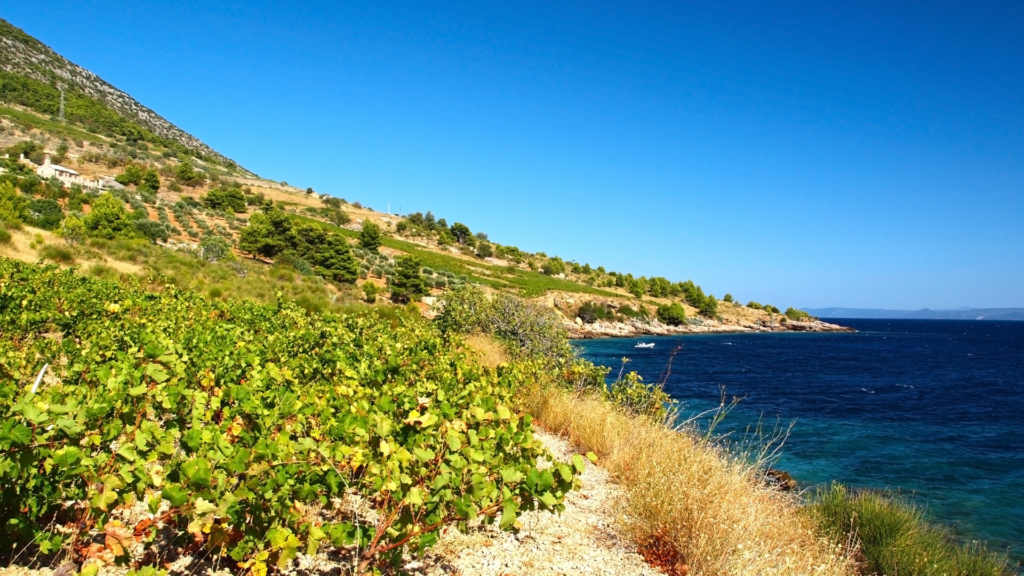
(23, 56)
(204, 371)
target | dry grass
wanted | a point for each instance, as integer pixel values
(491, 351)
(693, 507)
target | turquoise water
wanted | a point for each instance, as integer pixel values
(931, 408)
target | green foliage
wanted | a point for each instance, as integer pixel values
(267, 234)
(5, 236)
(108, 219)
(754, 305)
(370, 291)
(151, 179)
(630, 392)
(728, 298)
(332, 258)
(225, 199)
(590, 312)
(528, 330)
(895, 537)
(672, 314)
(236, 418)
(461, 233)
(151, 230)
(798, 315)
(553, 267)
(484, 250)
(370, 236)
(59, 254)
(214, 248)
(72, 230)
(132, 174)
(13, 206)
(79, 108)
(407, 285)
(709, 307)
(186, 174)
(44, 213)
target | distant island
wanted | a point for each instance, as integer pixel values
(1016, 314)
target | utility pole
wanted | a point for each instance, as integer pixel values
(62, 105)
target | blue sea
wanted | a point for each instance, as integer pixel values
(932, 408)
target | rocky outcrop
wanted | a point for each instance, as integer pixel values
(635, 327)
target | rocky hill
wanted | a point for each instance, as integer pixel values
(23, 55)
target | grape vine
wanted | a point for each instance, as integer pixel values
(229, 420)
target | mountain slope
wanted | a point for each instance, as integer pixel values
(24, 56)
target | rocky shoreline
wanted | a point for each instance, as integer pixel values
(578, 330)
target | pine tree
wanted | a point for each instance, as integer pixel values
(407, 285)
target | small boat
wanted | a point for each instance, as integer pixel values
(644, 345)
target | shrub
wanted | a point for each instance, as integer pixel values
(553, 266)
(591, 312)
(225, 199)
(527, 329)
(370, 291)
(794, 314)
(672, 314)
(72, 230)
(109, 219)
(151, 230)
(58, 254)
(44, 213)
(5, 236)
(754, 305)
(728, 298)
(214, 248)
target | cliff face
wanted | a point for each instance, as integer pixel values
(24, 55)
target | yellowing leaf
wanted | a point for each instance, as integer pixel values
(203, 507)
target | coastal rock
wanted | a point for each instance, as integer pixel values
(780, 480)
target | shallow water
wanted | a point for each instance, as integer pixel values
(929, 407)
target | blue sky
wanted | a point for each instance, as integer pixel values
(848, 154)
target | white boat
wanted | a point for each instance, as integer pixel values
(644, 345)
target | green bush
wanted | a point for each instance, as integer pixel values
(370, 236)
(370, 291)
(225, 199)
(799, 315)
(58, 254)
(528, 330)
(44, 213)
(108, 219)
(672, 314)
(151, 230)
(590, 312)
(5, 236)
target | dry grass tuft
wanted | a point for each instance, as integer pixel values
(491, 351)
(692, 506)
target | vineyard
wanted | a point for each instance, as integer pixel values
(135, 426)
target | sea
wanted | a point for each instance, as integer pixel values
(933, 409)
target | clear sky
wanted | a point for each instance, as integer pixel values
(807, 154)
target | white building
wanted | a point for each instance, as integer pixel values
(70, 177)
